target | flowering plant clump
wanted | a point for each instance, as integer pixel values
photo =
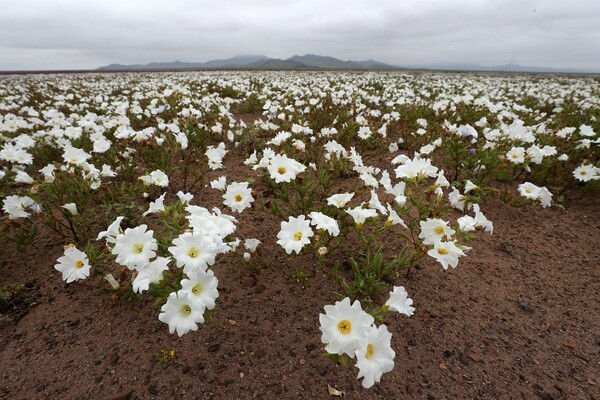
(365, 176)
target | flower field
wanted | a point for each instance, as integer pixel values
(299, 235)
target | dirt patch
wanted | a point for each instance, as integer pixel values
(518, 318)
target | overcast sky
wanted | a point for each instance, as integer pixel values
(84, 34)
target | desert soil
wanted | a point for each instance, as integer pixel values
(519, 318)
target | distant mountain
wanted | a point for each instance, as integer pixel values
(307, 61)
(276, 63)
(313, 61)
(494, 68)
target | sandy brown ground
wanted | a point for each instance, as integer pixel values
(519, 318)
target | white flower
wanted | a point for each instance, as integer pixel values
(180, 313)
(135, 247)
(158, 178)
(340, 200)
(73, 264)
(71, 207)
(533, 192)
(220, 183)
(343, 325)
(375, 204)
(185, 198)
(23, 177)
(416, 168)
(156, 206)
(446, 253)
(456, 199)
(238, 196)
(586, 173)
(204, 222)
(251, 245)
(360, 215)
(215, 156)
(394, 218)
(469, 186)
(284, 169)
(194, 251)
(433, 230)
(151, 273)
(400, 302)
(374, 355)
(112, 232)
(202, 288)
(516, 155)
(15, 206)
(75, 156)
(322, 221)
(294, 234)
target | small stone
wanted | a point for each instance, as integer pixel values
(526, 306)
(412, 342)
(152, 390)
(123, 395)
(464, 359)
(213, 347)
(474, 357)
(302, 361)
(322, 369)
(448, 353)
(443, 366)
(185, 369)
(259, 289)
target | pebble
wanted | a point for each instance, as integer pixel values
(464, 359)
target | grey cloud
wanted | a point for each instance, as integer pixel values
(67, 34)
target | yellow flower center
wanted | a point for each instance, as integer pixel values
(370, 351)
(281, 170)
(138, 248)
(297, 236)
(442, 251)
(186, 310)
(528, 191)
(238, 197)
(583, 172)
(193, 252)
(197, 289)
(79, 264)
(344, 326)
(439, 230)
(515, 156)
